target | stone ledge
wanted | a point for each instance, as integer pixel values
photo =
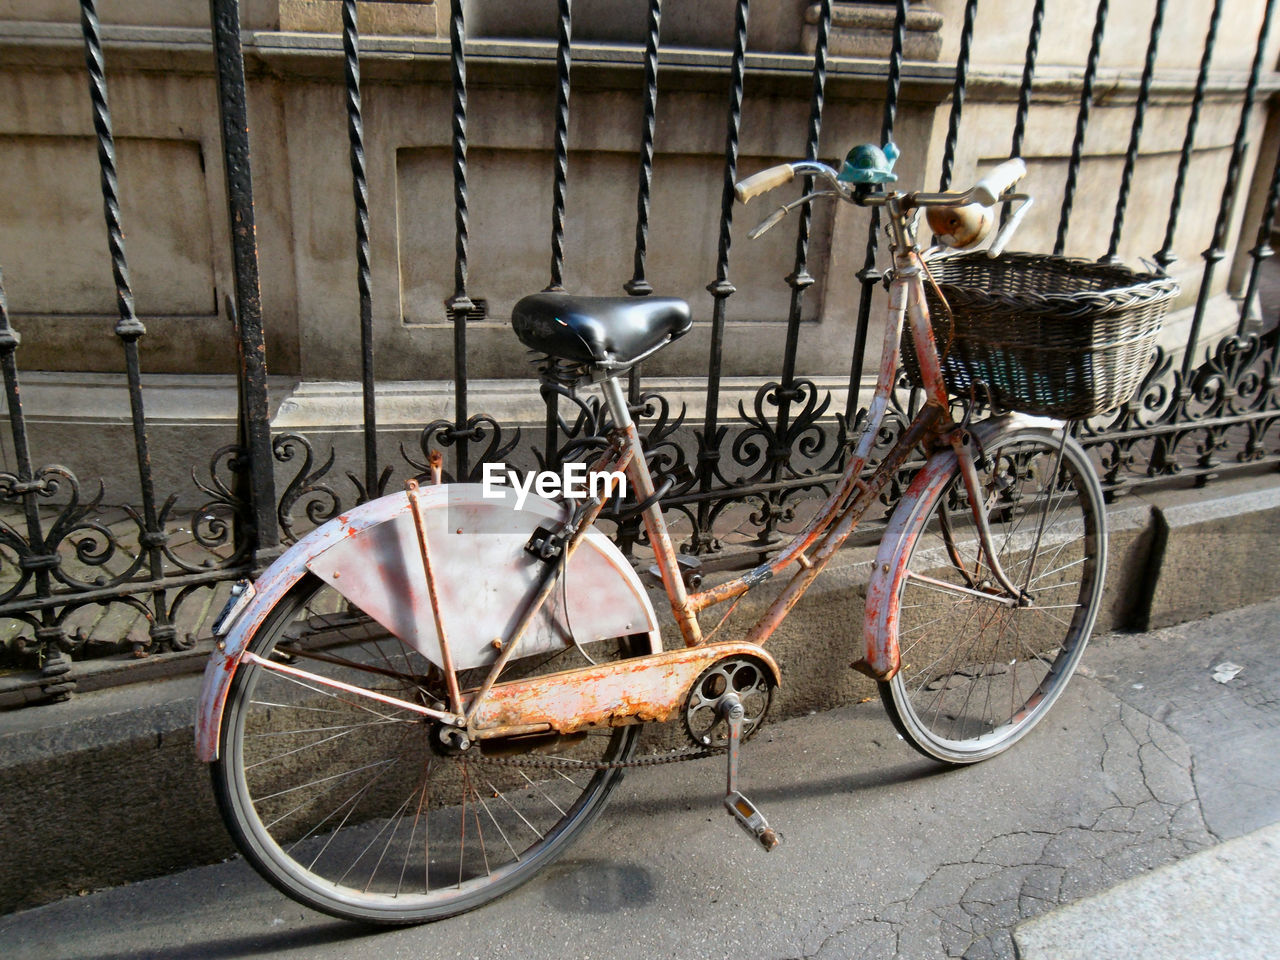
(1212, 549)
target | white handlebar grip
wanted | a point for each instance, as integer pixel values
(764, 181)
(988, 190)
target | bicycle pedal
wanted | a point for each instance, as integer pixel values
(751, 820)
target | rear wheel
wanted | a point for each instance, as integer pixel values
(362, 809)
(977, 670)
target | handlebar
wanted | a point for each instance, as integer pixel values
(993, 188)
(986, 191)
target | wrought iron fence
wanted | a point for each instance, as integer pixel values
(67, 561)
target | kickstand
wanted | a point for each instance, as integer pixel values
(739, 807)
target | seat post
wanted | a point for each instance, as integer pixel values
(655, 523)
(614, 398)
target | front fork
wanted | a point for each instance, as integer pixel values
(962, 442)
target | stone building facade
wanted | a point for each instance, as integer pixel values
(163, 98)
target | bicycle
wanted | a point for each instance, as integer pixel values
(425, 700)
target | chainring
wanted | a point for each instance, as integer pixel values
(744, 676)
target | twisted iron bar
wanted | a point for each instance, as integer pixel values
(1028, 73)
(1135, 133)
(458, 120)
(869, 276)
(1024, 91)
(638, 285)
(360, 193)
(129, 328)
(564, 61)
(459, 305)
(1216, 250)
(957, 94)
(799, 278)
(1082, 124)
(788, 390)
(720, 288)
(128, 325)
(1166, 255)
(895, 72)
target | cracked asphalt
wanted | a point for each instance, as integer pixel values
(1145, 761)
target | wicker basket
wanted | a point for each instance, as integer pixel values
(1047, 335)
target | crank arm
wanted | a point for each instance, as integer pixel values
(740, 808)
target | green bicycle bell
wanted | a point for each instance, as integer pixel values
(867, 163)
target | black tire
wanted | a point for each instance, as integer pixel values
(977, 674)
(350, 807)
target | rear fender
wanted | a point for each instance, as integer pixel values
(484, 578)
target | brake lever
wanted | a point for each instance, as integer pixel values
(767, 224)
(1005, 233)
(773, 219)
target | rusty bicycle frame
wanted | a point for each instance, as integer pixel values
(653, 686)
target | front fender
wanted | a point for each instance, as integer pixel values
(880, 658)
(484, 578)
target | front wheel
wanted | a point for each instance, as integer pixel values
(979, 670)
(365, 810)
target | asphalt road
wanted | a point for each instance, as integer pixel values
(1146, 761)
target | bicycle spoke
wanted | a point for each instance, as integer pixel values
(267, 735)
(514, 852)
(394, 823)
(413, 832)
(354, 802)
(559, 810)
(312, 744)
(328, 691)
(503, 797)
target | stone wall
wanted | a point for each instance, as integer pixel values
(57, 273)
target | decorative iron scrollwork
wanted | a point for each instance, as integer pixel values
(481, 428)
(320, 501)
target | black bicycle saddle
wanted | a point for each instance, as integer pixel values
(612, 331)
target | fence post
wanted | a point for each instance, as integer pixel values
(264, 535)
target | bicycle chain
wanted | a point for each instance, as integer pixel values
(553, 763)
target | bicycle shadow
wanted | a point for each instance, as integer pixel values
(805, 788)
(597, 886)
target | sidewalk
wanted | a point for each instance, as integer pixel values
(1221, 902)
(1146, 762)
